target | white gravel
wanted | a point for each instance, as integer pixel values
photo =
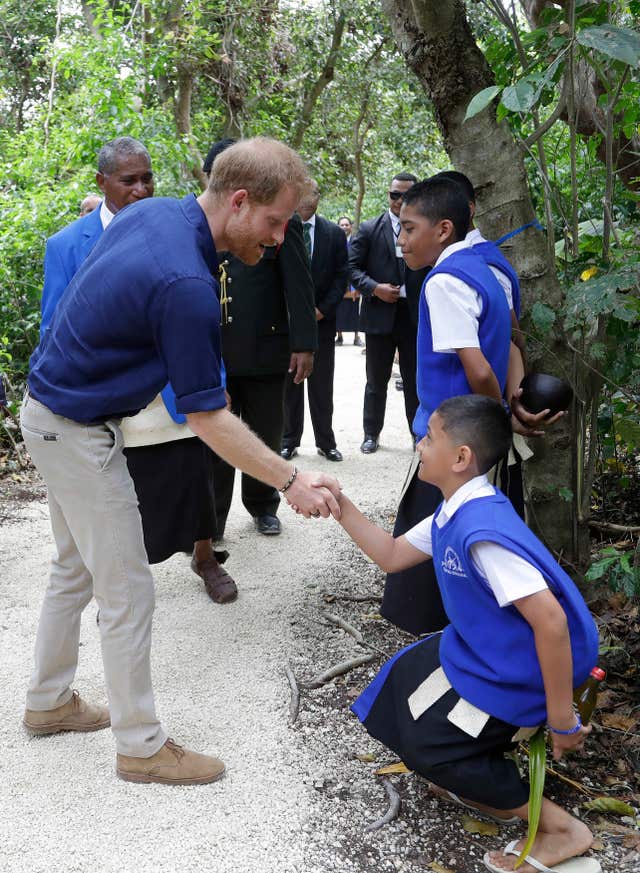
(296, 798)
(219, 682)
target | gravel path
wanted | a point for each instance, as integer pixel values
(296, 798)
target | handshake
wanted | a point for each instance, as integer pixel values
(314, 495)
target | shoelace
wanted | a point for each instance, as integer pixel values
(177, 750)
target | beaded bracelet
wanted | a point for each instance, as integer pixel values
(574, 730)
(290, 481)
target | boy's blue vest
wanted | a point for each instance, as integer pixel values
(488, 652)
(441, 376)
(493, 256)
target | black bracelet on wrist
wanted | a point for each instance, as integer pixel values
(289, 482)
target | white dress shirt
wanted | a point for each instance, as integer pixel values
(395, 226)
(508, 575)
(474, 237)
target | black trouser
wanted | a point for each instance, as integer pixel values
(257, 400)
(320, 388)
(381, 349)
(412, 598)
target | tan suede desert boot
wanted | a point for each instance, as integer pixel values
(74, 715)
(171, 765)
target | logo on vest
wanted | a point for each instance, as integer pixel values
(451, 563)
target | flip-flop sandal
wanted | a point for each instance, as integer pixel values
(572, 865)
(455, 799)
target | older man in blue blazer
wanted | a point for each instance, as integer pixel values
(124, 176)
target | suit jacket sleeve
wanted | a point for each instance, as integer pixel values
(56, 279)
(297, 284)
(340, 261)
(358, 257)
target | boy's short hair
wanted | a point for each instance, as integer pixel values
(462, 180)
(439, 199)
(478, 422)
(262, 166)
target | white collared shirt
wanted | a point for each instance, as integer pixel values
(509, 576)
(396, 227)
(454, 308)
(312, 229)
(106, 215)
(474, 238)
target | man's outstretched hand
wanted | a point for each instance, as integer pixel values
(314, 494)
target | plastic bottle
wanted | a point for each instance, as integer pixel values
(586, 695)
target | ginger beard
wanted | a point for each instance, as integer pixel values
(254, 226)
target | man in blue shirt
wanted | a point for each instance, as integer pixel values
(143, 310)
(124, 176)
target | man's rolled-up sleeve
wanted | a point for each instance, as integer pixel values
(188, 336)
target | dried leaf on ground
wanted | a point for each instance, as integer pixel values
(620, 722)
(393, 769)
(476, 826)
(610, 805)
(439, 868)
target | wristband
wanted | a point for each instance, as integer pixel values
(574, 730)
(289, 482)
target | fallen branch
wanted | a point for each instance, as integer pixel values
(294, 704)
(339, 670)
(614, 528)
(392, 812)
(354, 598)
(341, 623)
(571, 782)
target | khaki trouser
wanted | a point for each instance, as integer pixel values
(100, 551)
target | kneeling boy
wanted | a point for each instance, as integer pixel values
(520, 637)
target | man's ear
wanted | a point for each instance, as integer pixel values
(464, 459)
(238, 199)
(100, 181)
(472, 209)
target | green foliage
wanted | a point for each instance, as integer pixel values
(117, 67)
(615, 569)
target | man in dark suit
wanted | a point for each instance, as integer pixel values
(327, 248)
(270, 329)
(389, 310)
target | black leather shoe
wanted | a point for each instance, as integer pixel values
(370, 445)
(288, 452)
(269, 525)
(331, 454)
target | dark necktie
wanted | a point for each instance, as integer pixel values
(306, 232)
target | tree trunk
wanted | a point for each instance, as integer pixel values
(326, 75)
(437, 43)
(182, 115)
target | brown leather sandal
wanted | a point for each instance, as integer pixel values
(218, 583)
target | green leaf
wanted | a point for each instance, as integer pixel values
(566, 494)
(543, 317)
(519, 97)
(629, 430)
(619, 43)
(481, 100)
(537, 772)
(597, 570)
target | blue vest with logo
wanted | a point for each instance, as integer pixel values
(494, 258)
(441, 375)
(488, 652)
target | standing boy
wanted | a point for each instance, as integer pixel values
(463, 348)
(520, 639)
